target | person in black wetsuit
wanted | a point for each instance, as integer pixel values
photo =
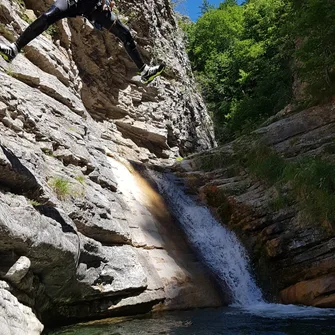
(97, 11)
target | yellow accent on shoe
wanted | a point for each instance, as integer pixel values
(5, 57)
(151, 78)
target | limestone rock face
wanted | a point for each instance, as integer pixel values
(79, 235)
(293, 256)
(15, 318)
(313, 292)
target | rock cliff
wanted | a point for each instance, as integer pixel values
(81, 235)
(292, 252)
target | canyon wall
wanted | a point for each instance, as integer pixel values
(80, 234)
(290, 241)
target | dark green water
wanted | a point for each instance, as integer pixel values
(275, 320)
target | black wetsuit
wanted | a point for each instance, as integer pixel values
(92, 10)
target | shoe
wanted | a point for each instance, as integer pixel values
(8, 52)
(149, 73)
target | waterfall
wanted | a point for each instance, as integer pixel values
(218, 247)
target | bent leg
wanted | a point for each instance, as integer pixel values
(108, 20)
(59, 10)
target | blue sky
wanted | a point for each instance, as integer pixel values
(191, 7)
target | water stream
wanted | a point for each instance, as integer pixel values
(227, 259)
(218, 247)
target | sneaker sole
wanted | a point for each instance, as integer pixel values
(154, 76)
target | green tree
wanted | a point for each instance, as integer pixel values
(205, 7)
(242, 57)
(315, 54)
(213, 33)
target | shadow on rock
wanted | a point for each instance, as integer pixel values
(54, 214)
(15, 176)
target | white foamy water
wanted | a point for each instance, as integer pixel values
(279, 311)
(219, 248)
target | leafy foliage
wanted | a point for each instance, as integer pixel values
(206, 7)
(309, 181)
(313, 182)
(246, 57)
(239, 56)
(315, 31)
